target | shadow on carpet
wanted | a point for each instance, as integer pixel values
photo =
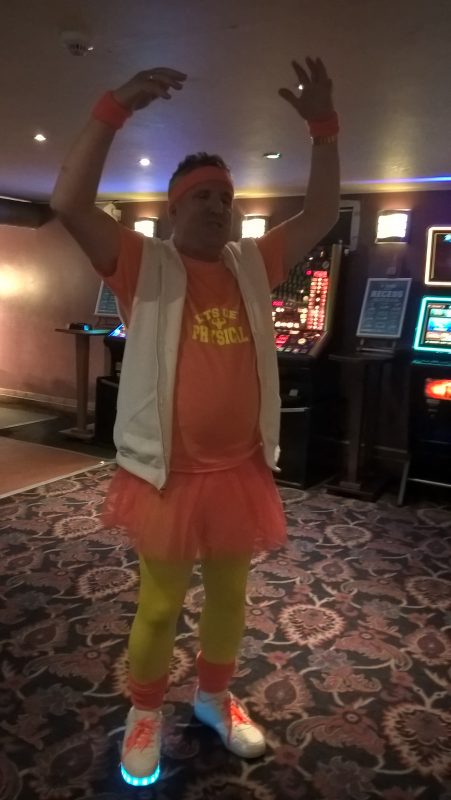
(345, 662)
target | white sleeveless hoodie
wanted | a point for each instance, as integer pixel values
(143, 429)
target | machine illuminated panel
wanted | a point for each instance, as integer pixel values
(120, 332)
(301, 305)
(438, 256)
(438, 389)
(433, 332)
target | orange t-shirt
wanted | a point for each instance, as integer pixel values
(217, 393)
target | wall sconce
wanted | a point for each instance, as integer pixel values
(253, 226)
(146, 225)
(392, 226)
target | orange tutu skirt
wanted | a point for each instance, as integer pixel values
(228, 512)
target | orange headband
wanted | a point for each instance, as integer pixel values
(198, 175)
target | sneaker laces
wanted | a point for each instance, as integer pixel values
(142, 735)
(235, 714)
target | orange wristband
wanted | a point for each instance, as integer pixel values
(324, 127)
(108, 110)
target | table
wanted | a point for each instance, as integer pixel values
(82, 430)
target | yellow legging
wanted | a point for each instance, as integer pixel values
(162, 592)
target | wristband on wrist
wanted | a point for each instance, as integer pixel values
(108, 110)
(324, 128)
(324, 139)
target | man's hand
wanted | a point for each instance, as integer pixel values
(147, 86)
(315, 101)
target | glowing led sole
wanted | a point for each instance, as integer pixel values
(145, 781)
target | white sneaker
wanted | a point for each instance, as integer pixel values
(141, 747)
(227, 716)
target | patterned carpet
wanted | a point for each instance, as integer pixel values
(346, 660)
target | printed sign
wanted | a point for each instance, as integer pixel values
(383, 308)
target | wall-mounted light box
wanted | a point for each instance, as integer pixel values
(146, 225)
(253, 226)
(393, 226)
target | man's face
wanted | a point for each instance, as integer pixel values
(202, 219)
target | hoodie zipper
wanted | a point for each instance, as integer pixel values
(159, 399)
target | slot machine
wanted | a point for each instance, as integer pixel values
(429, 459)
(107, 386)
(303, 313)
(115, 343)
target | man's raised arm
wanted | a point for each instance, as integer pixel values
(75, 192)
(321, 204)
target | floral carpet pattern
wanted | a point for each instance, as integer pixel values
(346, 661)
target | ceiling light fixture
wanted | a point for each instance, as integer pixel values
(272, 155)
(40, 137)
(145, 162)
(77, 42)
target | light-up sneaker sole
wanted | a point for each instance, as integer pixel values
(146, 780)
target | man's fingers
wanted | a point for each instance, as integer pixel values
(161, 92)
(159, 88)
(313, 67)
(166, 83)
(302, 76)
(318, 72)
(169, 73)
(165, 80)
(168, 77)
(174, 73)
(158, 85)
(289, 96)
(321, 70)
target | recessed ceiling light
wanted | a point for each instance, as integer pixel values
(300, 87)
(272, 155)
(40, 137)
(145, 162)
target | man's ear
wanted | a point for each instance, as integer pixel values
(171, 214)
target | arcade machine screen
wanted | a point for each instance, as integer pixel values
(430, 387)
(430, 419)
(433, 333)
(119, 332)
(301, 307)
(115, 342)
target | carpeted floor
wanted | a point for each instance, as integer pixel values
(346, 659)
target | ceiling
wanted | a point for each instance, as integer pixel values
(390, 61)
